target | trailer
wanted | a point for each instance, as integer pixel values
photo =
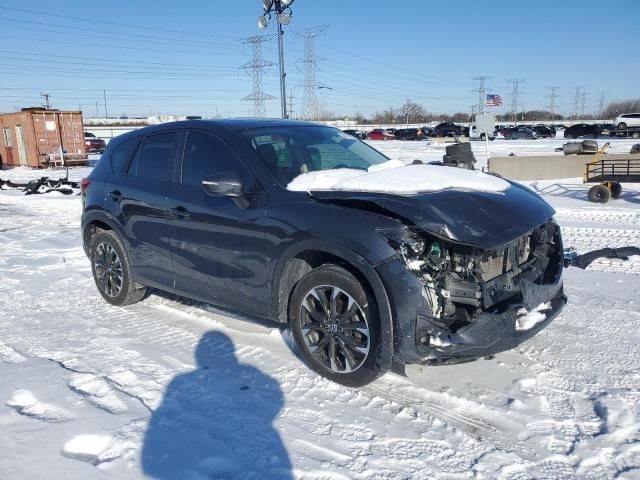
(608, 174)
(629, 132)
(34, 137)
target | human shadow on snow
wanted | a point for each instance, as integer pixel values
(216, 422)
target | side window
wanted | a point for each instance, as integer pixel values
(155, 157)
(206, 155)
(122, 154)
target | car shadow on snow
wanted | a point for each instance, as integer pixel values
(216, 421)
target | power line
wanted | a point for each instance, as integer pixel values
(104, 22)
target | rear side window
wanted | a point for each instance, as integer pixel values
(155, 157)
(206, 155)
(122, 155)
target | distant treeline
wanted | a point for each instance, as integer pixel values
(412, 112)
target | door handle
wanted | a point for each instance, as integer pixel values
(116, 195)
(180, 212)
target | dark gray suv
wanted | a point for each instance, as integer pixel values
(372, 264)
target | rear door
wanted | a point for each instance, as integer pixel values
(138, 199)
(219, 243)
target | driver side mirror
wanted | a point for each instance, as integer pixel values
(225, 184)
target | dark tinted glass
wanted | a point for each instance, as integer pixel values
(205, 155)
(156, 156)
(122, 154)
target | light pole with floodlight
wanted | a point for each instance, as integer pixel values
(282, 11)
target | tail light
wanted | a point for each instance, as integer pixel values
(84, 184)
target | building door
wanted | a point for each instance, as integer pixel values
(22, 148)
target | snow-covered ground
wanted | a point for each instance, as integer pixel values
(170, 388)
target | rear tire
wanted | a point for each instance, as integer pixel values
(112, 270)
(633, 135)
(599, 194)
(335, 324)
(569, 136)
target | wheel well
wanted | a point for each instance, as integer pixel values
(96, 226)
(303, 263)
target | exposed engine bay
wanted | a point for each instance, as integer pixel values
(462, 281)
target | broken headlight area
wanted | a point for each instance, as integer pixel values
(461, 282)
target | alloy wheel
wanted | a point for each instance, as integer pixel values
(108, 269)
(335, 329)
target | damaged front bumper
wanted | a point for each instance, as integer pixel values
(491, 333)
(503, 298)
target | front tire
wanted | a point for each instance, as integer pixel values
(112, 270)
(335, 324)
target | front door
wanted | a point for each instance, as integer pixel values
(22, 148)
(218, 242)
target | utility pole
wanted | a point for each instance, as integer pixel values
(256, 69)
(515, 93)
(310, 110)
(291, 111)
(97, 111)
(552, 100)
(482, 92)
(104, 96)
(46, 103)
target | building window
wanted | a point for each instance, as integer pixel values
(7, 137)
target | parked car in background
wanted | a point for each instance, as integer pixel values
(582, 129)
(93, 144)
(516, 133)
(356, 133)
(428, 131)
(621, 122)
(380, 134)
(378, 270)
(544, 131)
(448, 129)
(408, 134)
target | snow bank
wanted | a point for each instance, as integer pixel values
(399, 179)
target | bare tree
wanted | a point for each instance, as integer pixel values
(625, 106)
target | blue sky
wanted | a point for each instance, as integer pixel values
(184, 57)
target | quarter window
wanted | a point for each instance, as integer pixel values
(122, 154)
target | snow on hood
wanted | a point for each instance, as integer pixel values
(396, 178)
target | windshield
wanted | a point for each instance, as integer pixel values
(292, 151)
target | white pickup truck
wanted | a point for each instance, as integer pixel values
(475, 134)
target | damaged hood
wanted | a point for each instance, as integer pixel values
(484, 219)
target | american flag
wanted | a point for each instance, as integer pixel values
(493, 100)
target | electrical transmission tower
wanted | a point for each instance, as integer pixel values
(310, 107)
(583, 101)
(482, 92)
(552, 100)
(515, 94)
(601, 105)
(256, 69)
(578, 101)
